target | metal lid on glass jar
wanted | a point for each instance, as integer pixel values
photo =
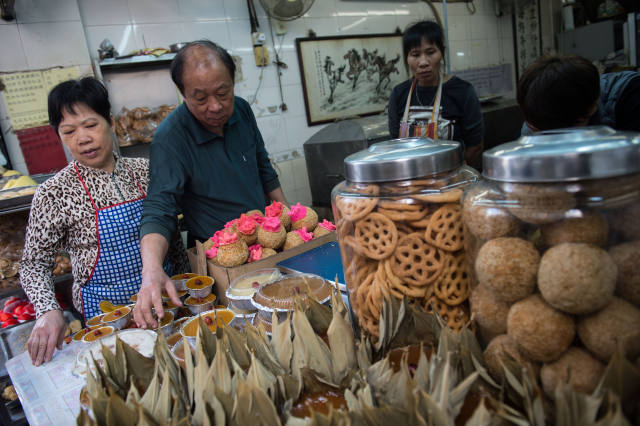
(400, 159)
(564, 155)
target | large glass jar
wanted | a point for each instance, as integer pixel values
(553, 236)
(400, 230)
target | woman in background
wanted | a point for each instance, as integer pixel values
(412, 103)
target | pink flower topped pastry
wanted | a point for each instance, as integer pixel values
(274, 209)
(216, 238)
(306, 236)
(246, 225)
(271, 224)
(323, 228)
(255, 253)
(227, 238)
(271, 233)
(230, 224)
(327, 225)
(279, 210)
(232, 251)
(212, 252)
(302, 216)
(257, 217)
(297, 212)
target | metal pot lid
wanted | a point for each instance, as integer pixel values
(564, 155)
(401, 159)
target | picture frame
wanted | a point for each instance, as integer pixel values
(345, 76)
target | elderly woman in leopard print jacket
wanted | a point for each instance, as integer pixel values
(91, 209)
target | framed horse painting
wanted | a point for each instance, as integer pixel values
(347, 76)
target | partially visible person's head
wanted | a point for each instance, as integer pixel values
(80, 113)
(204, 74)
(559, 91)
(423, 49)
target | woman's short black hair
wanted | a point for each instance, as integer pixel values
(88, 91)
(557, 91)
(423, 30)
(177, 65)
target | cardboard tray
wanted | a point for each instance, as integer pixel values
(223, 276)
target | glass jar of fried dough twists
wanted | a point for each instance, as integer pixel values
(400, 228)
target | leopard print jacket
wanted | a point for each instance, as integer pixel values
(63, 218)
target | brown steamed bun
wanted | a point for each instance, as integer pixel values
(576, 367)
(600, 332)
(267, 252)
(577, 278)
(293, 239)
(625, 221)
(626, 256)
(504, 350)
(489, 313)
(541, 332)
(487, 222)
(508, 266)
(309, 221)
(271, 239)
(591, 228)
(234, 254)
(538, 204)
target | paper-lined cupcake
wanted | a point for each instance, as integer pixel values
(325, 227)
(296, 238)
(232, 251)
(271, 233)
(279, 210)
(302, 216)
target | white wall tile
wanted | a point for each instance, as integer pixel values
(460, 55)
(240, 36)
(322, 26)
(216, 31)
(273, 133)
(12, 56)
(459, 28)
(285, 174)
(100, 12)
(29, 11)
(299, 169)
(49, 44)
(235, 9)
(153, 11)
(294, 98)
(493, 52)
(254, 76)
(298, 132)
(505, 26)
(123, 37)
(299, 28)
(159, 35)
(456, 9)
(201, 10)
(482, 27)
(506, 51)
(267, 101)
(322, 9)
(291, 75)
(479, 53)
(365, 24)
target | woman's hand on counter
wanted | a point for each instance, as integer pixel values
(46, 335)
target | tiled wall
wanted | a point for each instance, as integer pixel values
(64, 32)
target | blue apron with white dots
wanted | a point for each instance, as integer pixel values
(117, 272)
